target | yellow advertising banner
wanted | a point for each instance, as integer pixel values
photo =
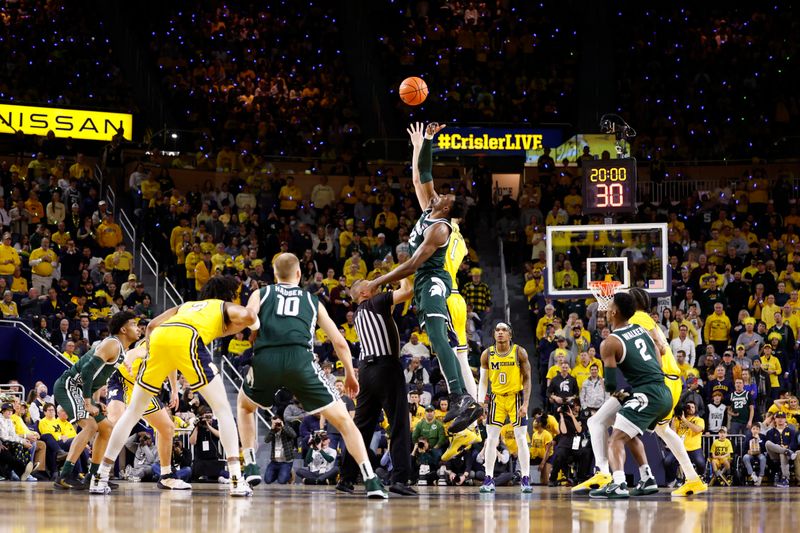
(75, 123)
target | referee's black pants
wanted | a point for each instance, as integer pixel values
(383, 386)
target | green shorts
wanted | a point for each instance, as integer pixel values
(291, 368)
(647, 405)
(430, 297)
(69, 395)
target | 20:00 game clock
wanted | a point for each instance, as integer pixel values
(609, 186)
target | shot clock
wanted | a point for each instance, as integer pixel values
(609, 186)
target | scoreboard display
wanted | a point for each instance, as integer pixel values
(609, 186)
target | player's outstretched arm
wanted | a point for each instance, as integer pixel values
(425, 191)
(404, 293)
(239, 318)
(157, 321)
(435, 238)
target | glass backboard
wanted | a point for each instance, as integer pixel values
(633, 254)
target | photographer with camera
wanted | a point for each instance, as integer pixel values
(181, 462)
(320, 461)
(690, 428)
(145, 457)
(208, 464)
(571, 446)
(282, 437)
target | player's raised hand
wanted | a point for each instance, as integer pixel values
(416, 133)
(433, 128)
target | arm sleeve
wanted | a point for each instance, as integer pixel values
(87, 374)
(425, 161)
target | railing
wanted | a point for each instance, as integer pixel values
(225, 364)
(33, 335)
(13, 389)
(172, 298)
(503, 283)
(148, 262)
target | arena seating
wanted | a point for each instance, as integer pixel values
(265, 81)
(74, 50)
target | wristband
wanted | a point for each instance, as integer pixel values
(611, 379)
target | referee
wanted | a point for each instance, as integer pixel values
(382, 383)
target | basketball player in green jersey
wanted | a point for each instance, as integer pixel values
(428, 244)
(630, 349)
(283, 357)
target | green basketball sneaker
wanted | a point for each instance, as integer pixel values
(643, 488)
(612, 491)
(375, 489)
(252, 474)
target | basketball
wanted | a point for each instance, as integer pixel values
(413, 90)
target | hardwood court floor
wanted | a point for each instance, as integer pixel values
(141, 507)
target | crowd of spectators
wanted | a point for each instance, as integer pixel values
(484, 61)
(64, 266)
(74, 50)
(260, 80)
(706, 83)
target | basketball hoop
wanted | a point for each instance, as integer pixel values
(604, 291)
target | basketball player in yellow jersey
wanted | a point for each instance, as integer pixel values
(176, 340)
(505, 366)
(120, 387)
(457, 307)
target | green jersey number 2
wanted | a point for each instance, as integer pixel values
(642, 349)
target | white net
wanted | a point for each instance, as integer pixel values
(603, 292)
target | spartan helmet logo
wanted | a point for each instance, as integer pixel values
(438, 288)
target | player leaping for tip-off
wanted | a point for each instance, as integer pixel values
(432, 285)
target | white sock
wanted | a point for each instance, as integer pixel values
(166, 470)
(466, 372)
(675, 445)
(214, 393)
(520, 434)
(645, 473)
(490, 449)
(366, 470)
(598, 432)
(104, 471)
(235, 469)
(619, 477)
(140, 398)
(249, 456)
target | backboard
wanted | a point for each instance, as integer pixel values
(633, 254)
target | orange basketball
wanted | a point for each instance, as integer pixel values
(413, 90)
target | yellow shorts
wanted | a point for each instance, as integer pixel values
(720, 463)
(502, 406)
(154, 406)
(176, 347)
(675, 386)
(457, 308)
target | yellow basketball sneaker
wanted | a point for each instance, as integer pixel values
(595, 482)
(690, 488)
(461, 440)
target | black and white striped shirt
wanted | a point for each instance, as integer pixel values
(376, 328)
